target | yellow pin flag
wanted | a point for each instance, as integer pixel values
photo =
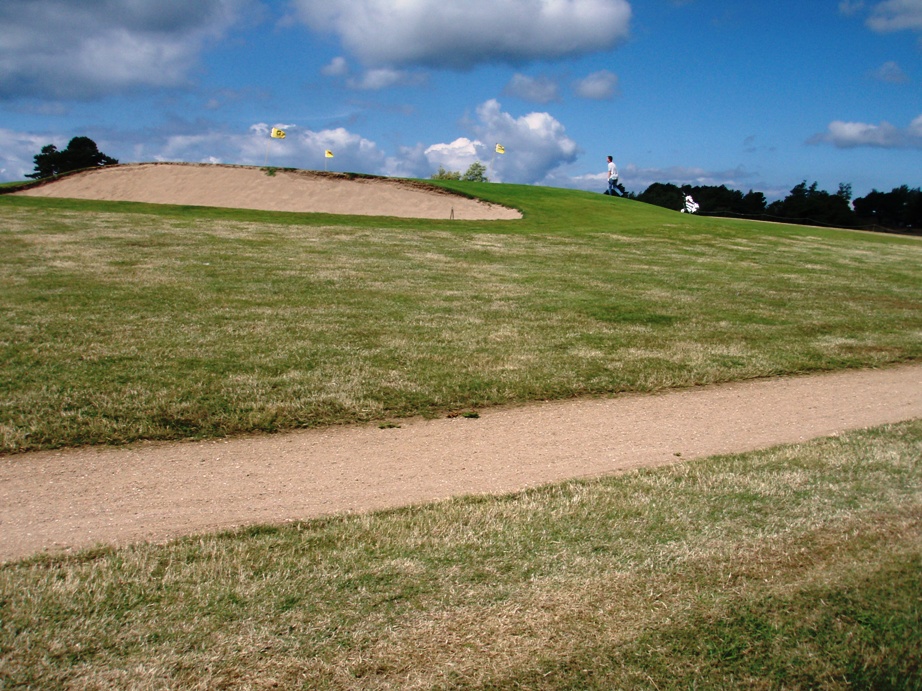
(328, 153)
(500, 149)
(277, 133)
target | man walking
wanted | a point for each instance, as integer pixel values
(613, 179)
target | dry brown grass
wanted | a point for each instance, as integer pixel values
(805, 556)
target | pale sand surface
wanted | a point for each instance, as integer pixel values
(243, 187)
(64, 500)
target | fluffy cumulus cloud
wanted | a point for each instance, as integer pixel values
(534, 89)
(384, 78)
(338, 67)
(434, 33)
(456, 155)
(17, 151)
(409, 162)
(850, 135)
(891, 73)
(851, 7)
(373, 79)
(301, 148)
(598, 86)
(896, 15)
(67, 49)
(536, 146)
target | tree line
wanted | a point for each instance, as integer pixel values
(899, 209)
(476, 172)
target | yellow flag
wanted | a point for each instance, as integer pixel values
(328, 153)
(277, 133)
(500, 149)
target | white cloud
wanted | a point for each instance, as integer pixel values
(301, 148)
(385, 77)
(891, 73)
(66, 49)
(304, 148)
(598, 86)
(351, 151)
(915, 128)
(850, 8)
(896, 15)
(456, 155)
(434, 33)
(409, 162)
(850, 135)
(536, 146)
(534, 89)
(535, 143)
(338, 67)
(373, 79)
(17, 151)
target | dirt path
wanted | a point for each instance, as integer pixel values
(65, 500)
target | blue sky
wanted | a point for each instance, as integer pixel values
(751, 94)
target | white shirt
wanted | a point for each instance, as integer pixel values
(612, 171)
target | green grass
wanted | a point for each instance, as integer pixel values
(794, 567)
(131, 321)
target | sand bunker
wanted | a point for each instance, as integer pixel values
(246, 187)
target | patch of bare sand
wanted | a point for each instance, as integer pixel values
(245, 187)
(65, 500)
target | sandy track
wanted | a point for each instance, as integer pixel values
(65, 500)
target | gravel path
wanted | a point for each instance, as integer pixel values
(70, 499)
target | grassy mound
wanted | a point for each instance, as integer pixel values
(128, 321)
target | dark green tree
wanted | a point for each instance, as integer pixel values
(754, 203)
(813, 206)
(80, 153)
(712, 199)
(716, 200)
(898, 209)
(845, 191)
(663, 194)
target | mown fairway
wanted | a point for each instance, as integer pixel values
(125, 321)
(795, 567)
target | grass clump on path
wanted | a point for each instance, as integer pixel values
(131, 321)
(794, 567)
